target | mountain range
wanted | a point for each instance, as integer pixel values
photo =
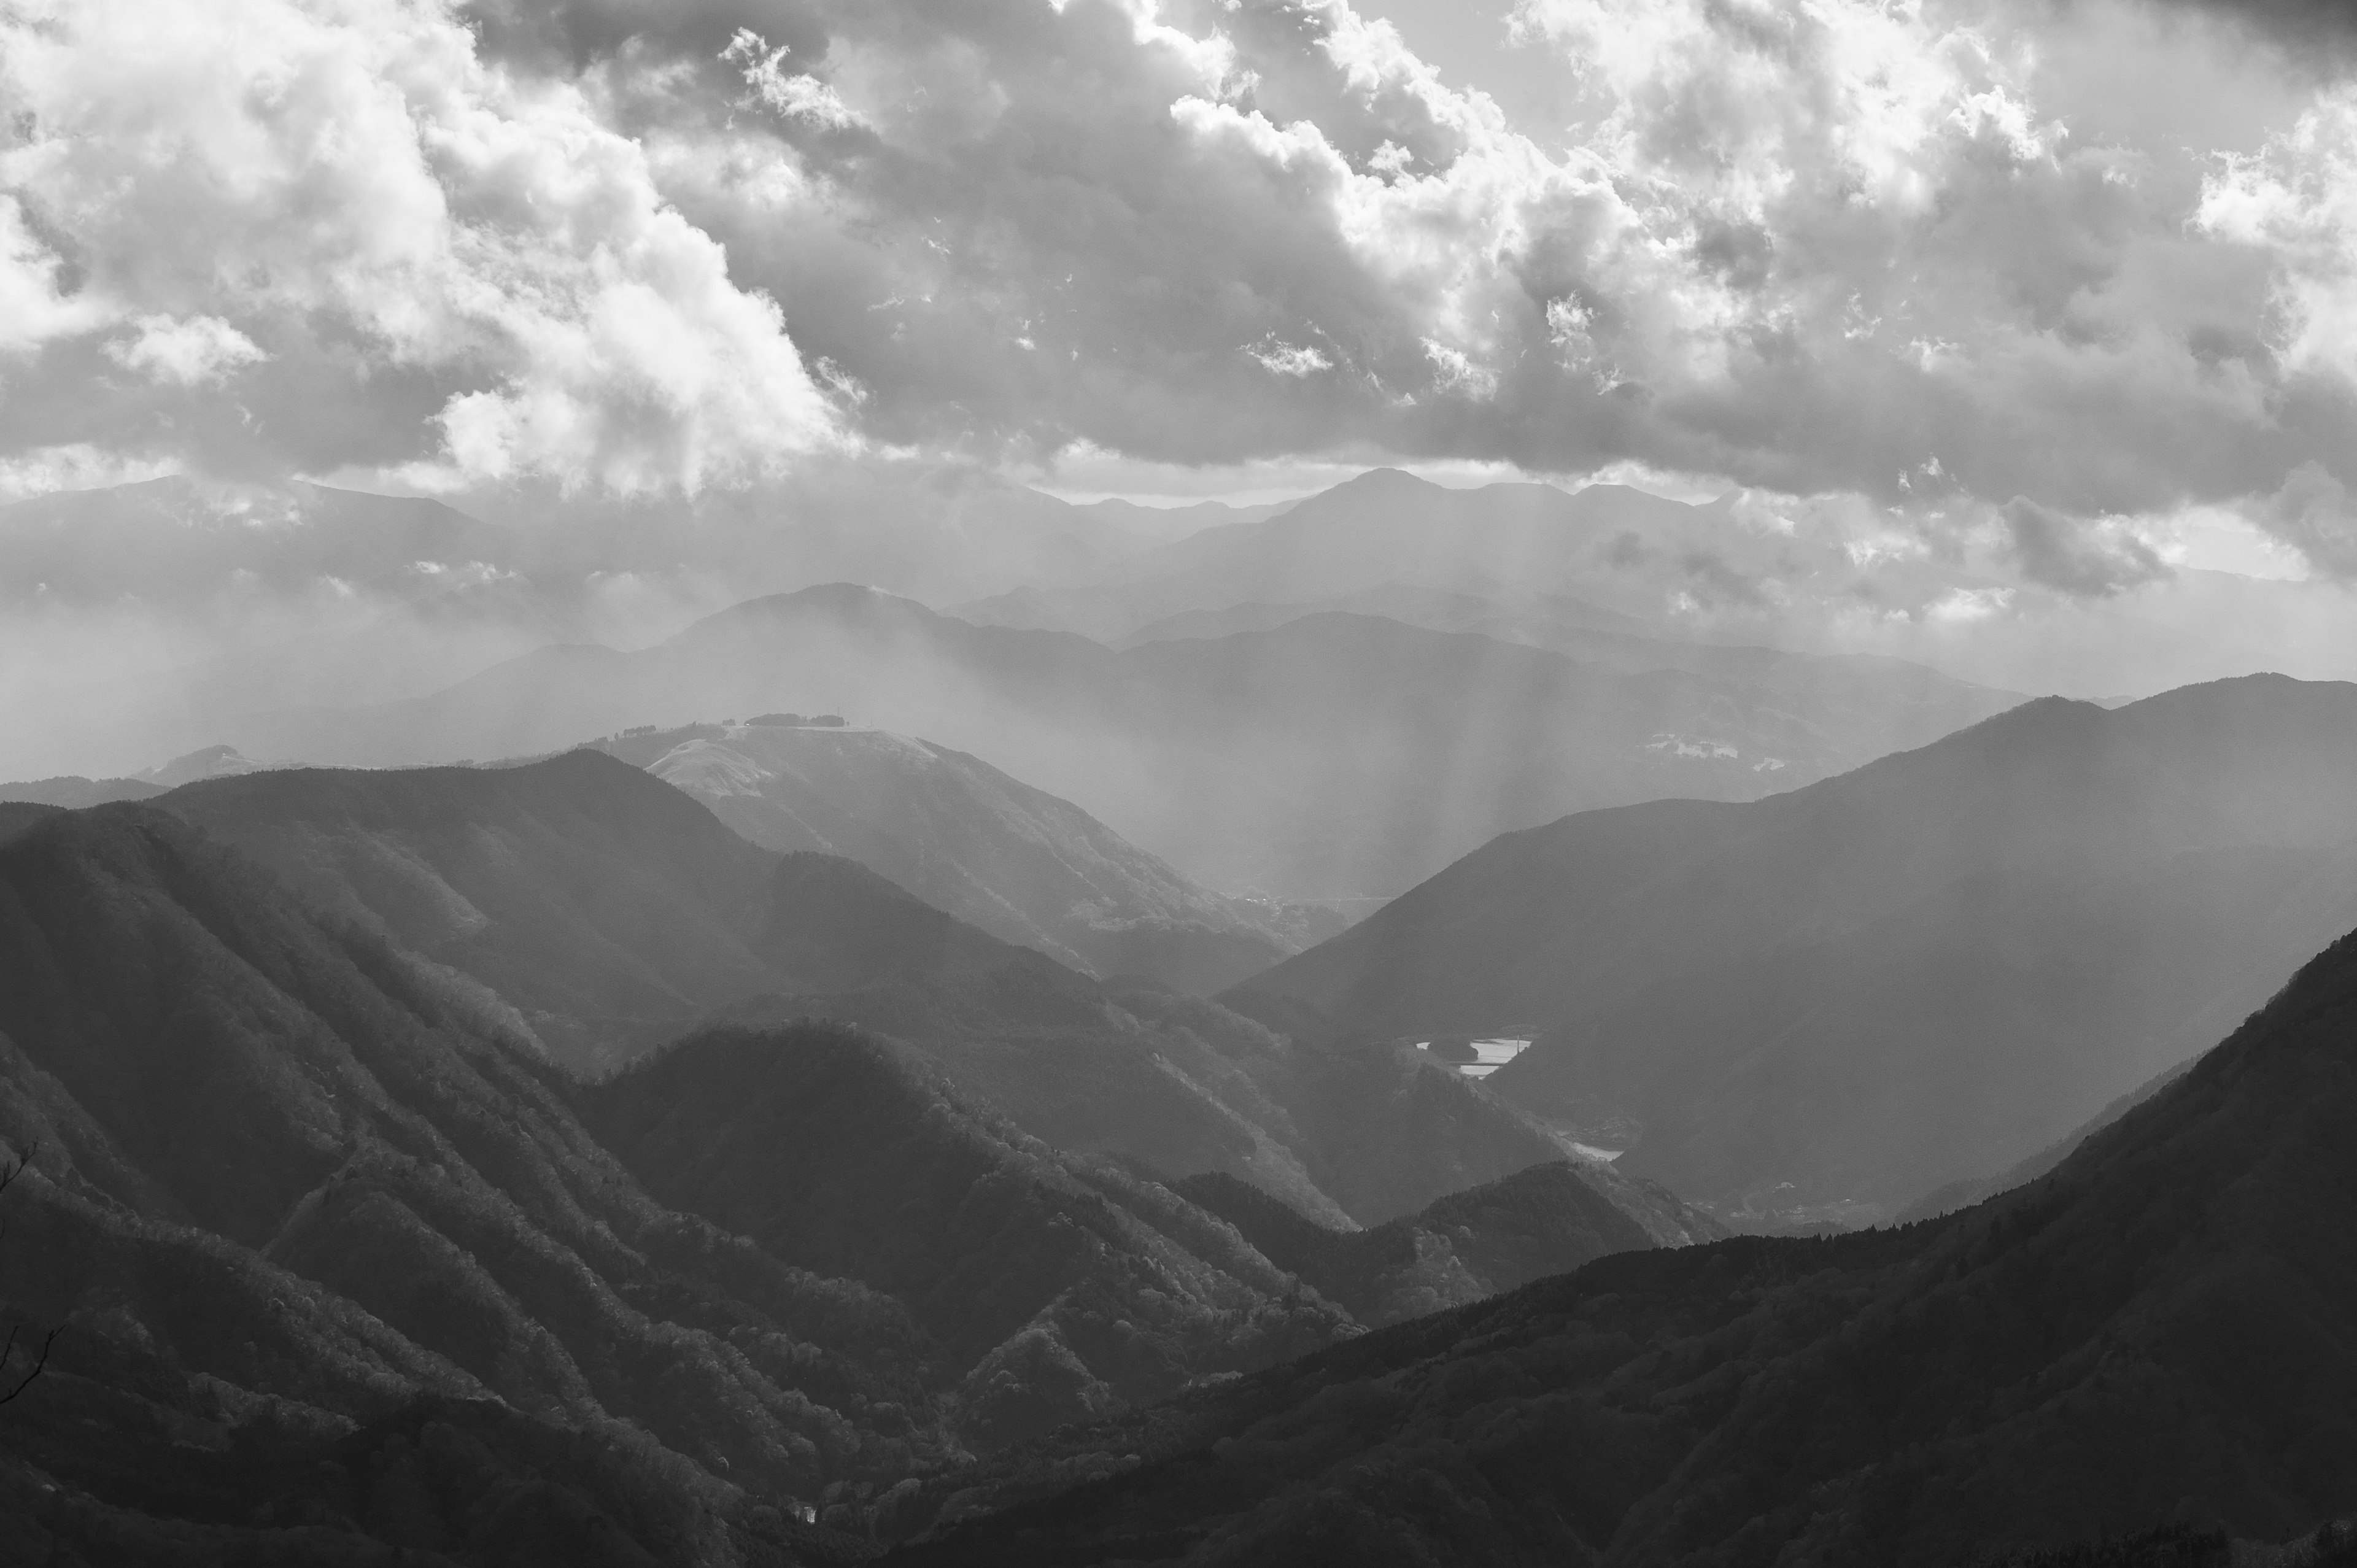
(1619, 554)
(598, 912)
(74, 791)
(1831, 1001)
(350, 1264)
(2154, 1334)
(157, 611)
(1334, 756)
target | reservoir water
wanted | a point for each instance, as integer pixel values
(1489, 1055)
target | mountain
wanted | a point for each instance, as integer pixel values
(1963, 1194)
(73, 792)
(162, 612)
(1861, 704)
(1336, 756)
(598, 912)
(608, 909)
(205, 762)
(1616, 549)
(1168, 525)
(1060, 1286)
(1539, 620)
(290, 1181)
(1833, 1001)
(2157, 1332)
(173, 541)
(1482, 1242)
(341, 1254)
(969, 840)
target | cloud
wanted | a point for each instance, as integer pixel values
(409, 255)
(1818, 247)
(2313, 514)
(2295, 202)
(1809, 245)
(189, 353)
(2082, 559)
(1280, 358)
(795, 95)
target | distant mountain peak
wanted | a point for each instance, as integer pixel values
(206, 762)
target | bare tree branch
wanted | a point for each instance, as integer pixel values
(21, 1384)
(9, 1171)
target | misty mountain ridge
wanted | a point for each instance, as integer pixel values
(1919, 973)
(1602, 558)
(967, 839)
(182, 538)
(74, 792)
(1386, 528)
(1336, 756)
(165, 609)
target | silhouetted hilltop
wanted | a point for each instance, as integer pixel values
(1922, 971)
(2158, 1330)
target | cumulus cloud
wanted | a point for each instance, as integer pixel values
(1812, 245)
(187, 353)
(2295, 200)
(1280, 358)
(797, 95)
(1854, 248)
(410, 254)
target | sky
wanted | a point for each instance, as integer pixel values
(2060, 295)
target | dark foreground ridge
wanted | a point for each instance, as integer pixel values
(2160, 1331)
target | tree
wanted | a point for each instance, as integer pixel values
(12, 1387)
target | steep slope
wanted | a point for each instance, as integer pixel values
(214, 1074)
(1547, 1220)
(1338, 756)
(1062, 1287)
(1918, 972)
(611, 909)
(1963, 1194)
(964, 837)
(308, 1204)
(603, 911)
(2160, 1330)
